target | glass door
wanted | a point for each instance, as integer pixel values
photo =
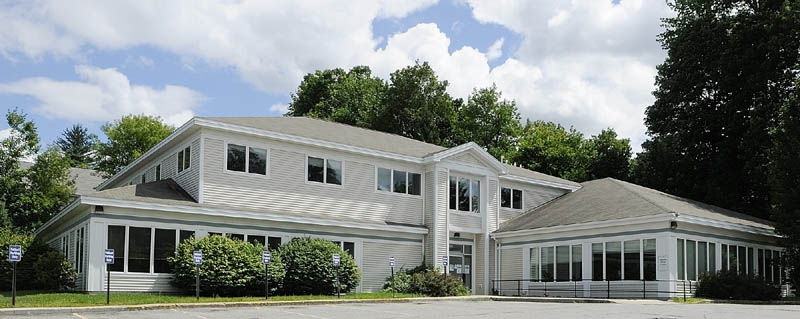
(461, 263)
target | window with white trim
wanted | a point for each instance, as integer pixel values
(465, 194)
(142, 249)
(511, 198)
(184, 159)
(144, 178)
(322, 170)
(390, 180)
(158, 172)
(556, 263)
(242, 158)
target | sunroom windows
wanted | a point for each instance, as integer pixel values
(465, 194)
(556, 263)
(248, 159)
(511, 198)
(322, 170)
(143, 249)
(396, 181)
(735, 258)
(624, 260)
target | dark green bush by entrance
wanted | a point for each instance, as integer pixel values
(230, 267)
(310, 271)
(733, 286)
(426, 281)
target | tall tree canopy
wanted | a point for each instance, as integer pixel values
(730, 65)
(488, 120)
(128, 138)
(29, 197)
(785, 182)
(609, 156)
(551, 149)
(77, 143)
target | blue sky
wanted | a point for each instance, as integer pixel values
(587, 64)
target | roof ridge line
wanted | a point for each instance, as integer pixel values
(618, 182)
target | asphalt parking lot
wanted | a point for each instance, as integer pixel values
(464, 309)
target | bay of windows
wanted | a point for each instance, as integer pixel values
(184, 159)
(146, 250)
(511, 198)
(624, 260)
(396, 181)
(465, 194)
(697, 257)
(556, 263)
(242, 158)
(326, 171)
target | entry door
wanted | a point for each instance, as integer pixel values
(461, 263)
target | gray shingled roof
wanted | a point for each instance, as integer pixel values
(359, 137)
(519, 171)
(85, 179)
(336, 133)
(610, 199)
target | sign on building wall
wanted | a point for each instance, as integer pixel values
(663, 263)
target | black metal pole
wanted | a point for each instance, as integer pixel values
(197, 282)
(14, 283)
(519, 284)
(108, 284)
(575, 288)
(266, 281)
(644, 289)
(608, 289)
(545, 289)
(684, 292)
(337, 282)
(392, 282)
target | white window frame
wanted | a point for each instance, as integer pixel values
(324, 171)
(469, 212)
(157, 172)
(178, 171)
(391, 181)
(247, 147)
(152, 244)
(511, 200)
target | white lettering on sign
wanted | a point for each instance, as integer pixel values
(444, 260)
(336, 260)
(197, 256)
(14, 253)
(109, 256)
(391, 261)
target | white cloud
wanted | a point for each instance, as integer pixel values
(103, 95)
(583, 63)
(496, 50)
(5, 133)
(279, 108)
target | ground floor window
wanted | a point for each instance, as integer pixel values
(143, 249)
(624, 260)
(460, 262)
(698, 257)
(164, 248)
(556, 263)
(116, 241)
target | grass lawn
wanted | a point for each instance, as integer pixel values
(691, 300)
(63, 299)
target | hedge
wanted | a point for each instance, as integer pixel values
(41, 267)
(310, 270)
(734, 286)
(230, 267)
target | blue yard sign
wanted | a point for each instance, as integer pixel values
(391, 261)
(266, 257)
(14, 253)
(444, 261)
(197, 256)
(109, 256)
(336, 260)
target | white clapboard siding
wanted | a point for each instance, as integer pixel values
(533, 196)
(136, 282)
(478, 287)
(285, 190)
(468, 158)
(169, 166)
(441, 219)
(511, 269)
(465, 221)
(375, 262)
(430, 214)
(189, 179)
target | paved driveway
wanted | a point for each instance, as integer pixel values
(466, 309)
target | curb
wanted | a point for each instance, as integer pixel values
(96, 309)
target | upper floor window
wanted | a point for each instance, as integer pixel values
(390, 180)
(465, 194)
(511, 198)
(326, 171)
(246, 159)
(184, 159)
(158, 172)
(144, 178)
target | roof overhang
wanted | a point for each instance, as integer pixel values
(208, 211)
(523, 179)
(764, 231)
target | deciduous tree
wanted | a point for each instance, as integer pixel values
(128, 138)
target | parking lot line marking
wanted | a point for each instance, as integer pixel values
(79, 316)
(189, 313)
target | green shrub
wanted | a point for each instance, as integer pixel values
(54, 272)
(230, 267)
(400, 283)
(430, 283)
(730, 285)
(27, 273)
(309, 267)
